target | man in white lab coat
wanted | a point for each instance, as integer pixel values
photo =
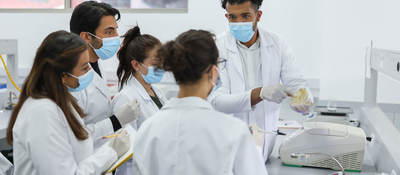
(260, 72)
(96, 24)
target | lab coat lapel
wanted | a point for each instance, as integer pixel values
(271, 70)
(235, 62)
(159, 95)
(143, 93)
(101, 86)
(268, 58)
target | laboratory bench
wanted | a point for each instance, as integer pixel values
(5, 116)
(373, 161)
(274, 164)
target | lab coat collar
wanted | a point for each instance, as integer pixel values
(194, 102)
(255, 46)
(263, 37)
(133, 82)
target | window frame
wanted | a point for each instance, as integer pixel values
(68, 9)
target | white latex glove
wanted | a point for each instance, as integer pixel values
(258, 136)
(128, 112)
(121, 143)
(302, 102)
(275, 93)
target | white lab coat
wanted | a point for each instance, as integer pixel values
(6, 168)
(188, 137)
(95, 100)
(277, 66)
(134, 90)
(44, 143)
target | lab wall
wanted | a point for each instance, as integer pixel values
(347, 28)
(328, 37)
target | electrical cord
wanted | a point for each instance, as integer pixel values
(8, 74)
(297, 155)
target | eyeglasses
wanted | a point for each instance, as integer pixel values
(221, 63)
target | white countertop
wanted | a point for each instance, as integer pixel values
(4, 119)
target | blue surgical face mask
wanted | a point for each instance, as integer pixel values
(217, 84)
(109, 48)
(84, 81)
(153, 75)
(242, 31)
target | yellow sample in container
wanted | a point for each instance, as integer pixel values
(300, 98)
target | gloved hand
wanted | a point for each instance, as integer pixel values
(121, 143)
(258, 136)
(275, 93)
(128, 112)
(302, 102)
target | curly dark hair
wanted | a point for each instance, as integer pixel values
(256, 3)
(189, 56)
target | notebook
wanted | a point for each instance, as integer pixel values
(128, 155)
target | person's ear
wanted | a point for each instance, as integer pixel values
(227, 16)
(135, 65)
(64, 78)
(259, 14)
(69, 81)
(85, 36)
(214, 71)
(88, 38)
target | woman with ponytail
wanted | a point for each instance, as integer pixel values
(138, 70)
(188, 136)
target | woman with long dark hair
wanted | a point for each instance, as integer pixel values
(46, 128)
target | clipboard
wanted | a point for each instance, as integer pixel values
(128, 155)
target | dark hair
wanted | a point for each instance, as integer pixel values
(134, 47)
(190, 55)
(256, 3)
(59, 53)
(87, 15)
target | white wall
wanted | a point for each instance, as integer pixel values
(31, 28)
(348, 26)
(327, 36)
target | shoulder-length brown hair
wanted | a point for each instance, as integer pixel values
(59, 53)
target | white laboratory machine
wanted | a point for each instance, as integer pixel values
(382, 153)
(325, 145)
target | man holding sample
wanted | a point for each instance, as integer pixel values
(260, 73)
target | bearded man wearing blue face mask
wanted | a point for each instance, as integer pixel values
(260, 72)
(96, 24)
